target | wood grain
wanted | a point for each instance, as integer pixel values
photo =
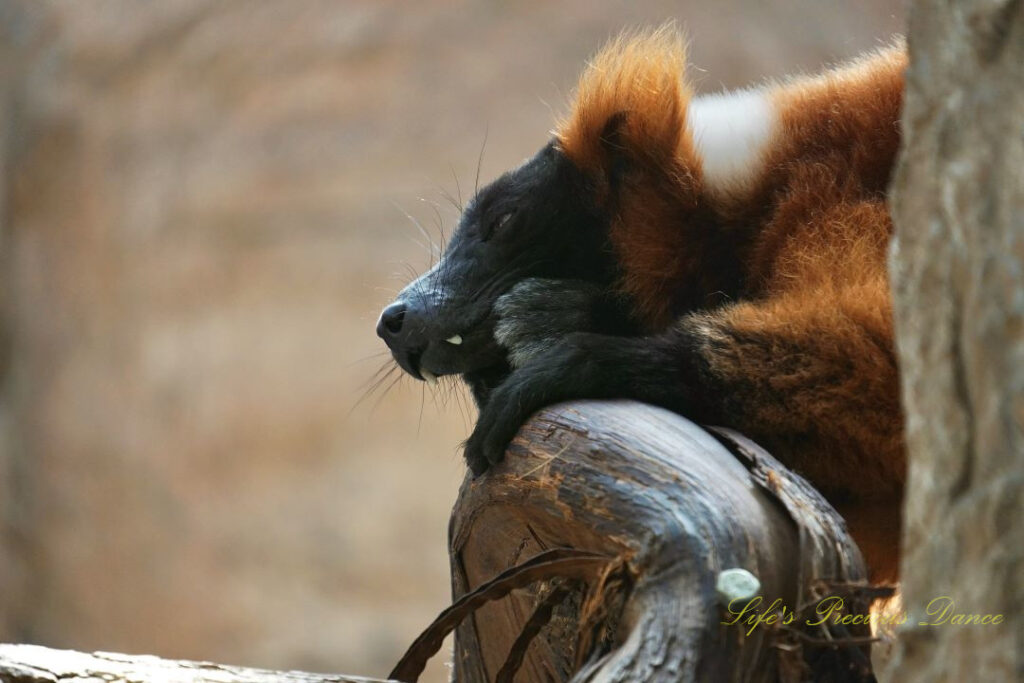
(676, 506)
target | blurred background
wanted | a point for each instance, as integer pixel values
(203, 206)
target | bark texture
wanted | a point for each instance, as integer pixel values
(670, 506)
(957, 267)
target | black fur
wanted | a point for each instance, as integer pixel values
(528, 281)
(537, 221)
(663, 370)
(538, 312)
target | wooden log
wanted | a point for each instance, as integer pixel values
(35, 664)
(671, 505)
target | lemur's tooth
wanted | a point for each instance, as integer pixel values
(430, 377)
(454, 339)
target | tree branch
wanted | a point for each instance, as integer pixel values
(674, 506)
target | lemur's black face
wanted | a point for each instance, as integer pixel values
(539, 220)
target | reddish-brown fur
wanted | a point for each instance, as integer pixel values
(806, 345)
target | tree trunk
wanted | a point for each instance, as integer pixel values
(670, 507)
(958, 283)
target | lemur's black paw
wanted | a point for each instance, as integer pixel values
(481, 452)
(497, 425)
(473, 452)
(537, 312)
(560, 372)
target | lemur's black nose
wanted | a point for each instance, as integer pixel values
(392, 319)
(401, 327)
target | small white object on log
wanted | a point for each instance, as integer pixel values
(736, 584)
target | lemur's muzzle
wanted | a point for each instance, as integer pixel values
(403, 330)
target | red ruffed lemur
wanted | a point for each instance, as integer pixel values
(722, 256)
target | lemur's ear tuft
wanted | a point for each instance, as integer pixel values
(630, 105)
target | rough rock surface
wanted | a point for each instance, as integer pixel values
(958, 280)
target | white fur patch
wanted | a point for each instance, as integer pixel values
(730, 131)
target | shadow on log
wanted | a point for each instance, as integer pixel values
(670, 505)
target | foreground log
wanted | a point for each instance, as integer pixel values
(34, 664)
(670, 506)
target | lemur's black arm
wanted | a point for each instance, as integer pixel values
(482, 382)
(538, 313)
(805, 382)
